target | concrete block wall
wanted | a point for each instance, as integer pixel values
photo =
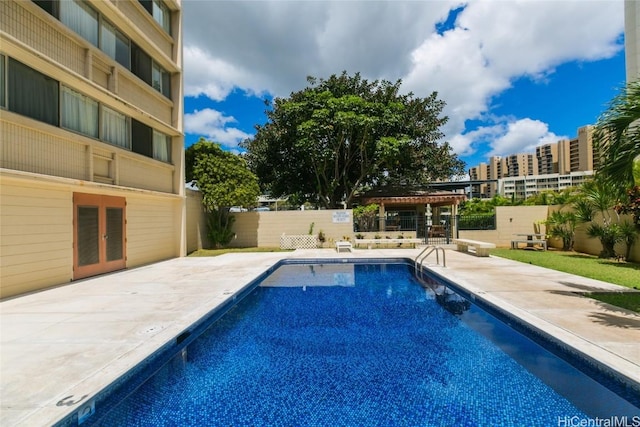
(511, 220)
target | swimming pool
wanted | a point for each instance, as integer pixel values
(361, 344)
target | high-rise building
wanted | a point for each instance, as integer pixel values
(479, 173)
(571, 160)
(576, 155)
(92, 164)
(522, 164)
(547, 156)
(632, 39)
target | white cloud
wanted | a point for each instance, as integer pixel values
(214, 77)
(272, 46)
(521, 136)
(212, 124)
(495, 43)
(466, 143)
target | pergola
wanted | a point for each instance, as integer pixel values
(423, 202)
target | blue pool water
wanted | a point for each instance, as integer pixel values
(361, 345)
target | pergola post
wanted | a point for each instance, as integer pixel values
(454, 219)
(381, 218)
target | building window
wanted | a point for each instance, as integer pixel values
(3, 101)
(79, 113)
(32, 94)
(160, 12)
(115, 128)
(149, 142)
(81, 18)
(161, 146)
(161, 80)
(50, 6)
(140, 63)
(149, 71)
(115, 44)
(84, 20)
(141, 138)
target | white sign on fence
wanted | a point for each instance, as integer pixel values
(341, 217)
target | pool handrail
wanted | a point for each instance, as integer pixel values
(430, 248)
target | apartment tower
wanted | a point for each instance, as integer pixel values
(91, 135)
(547, 156)
(576, 155)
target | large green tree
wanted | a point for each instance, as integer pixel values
(224, 181)
(345, 134)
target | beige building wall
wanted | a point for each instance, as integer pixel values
(564, 157)
(513, 220)
(263, 229)
(632, 39)
(36, 229)
(510, 220)
(153, 228)
(42, 165)
(585, 244)
(35, 236)
(196, 222)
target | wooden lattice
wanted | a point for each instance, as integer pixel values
(298, 241)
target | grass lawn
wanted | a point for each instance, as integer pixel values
(216, 252)
(620, 273)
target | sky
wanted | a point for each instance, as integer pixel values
(514, 74)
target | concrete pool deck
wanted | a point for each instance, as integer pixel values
(60, 347)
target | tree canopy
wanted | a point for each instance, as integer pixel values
(345, 134)
(224, 181)
(222, 177)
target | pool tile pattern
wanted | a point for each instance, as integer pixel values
(380, 352)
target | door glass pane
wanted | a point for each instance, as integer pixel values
(88, 235)
(114, 234)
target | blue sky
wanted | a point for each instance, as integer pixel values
(547, 69)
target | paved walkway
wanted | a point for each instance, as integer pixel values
(60, 347)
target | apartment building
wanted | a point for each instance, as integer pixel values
(547, 156)
(479, 173)
(91, 135)
(570, 160)
(576, 155)
(521, 164)
(522, 187)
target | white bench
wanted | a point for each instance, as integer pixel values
(529, 242)
(370, 242)
(343, 245)
(480, 248)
